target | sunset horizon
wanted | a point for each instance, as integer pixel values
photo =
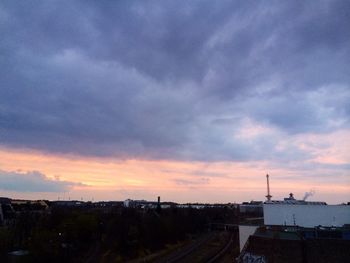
(190, 101)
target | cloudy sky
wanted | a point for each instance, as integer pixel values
(190, 100)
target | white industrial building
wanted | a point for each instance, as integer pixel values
(301, 213)
(306, 215)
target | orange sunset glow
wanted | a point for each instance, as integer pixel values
(113, 179)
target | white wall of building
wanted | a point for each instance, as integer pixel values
(244, 233)
(306, 215)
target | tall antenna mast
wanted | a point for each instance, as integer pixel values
(268, 196)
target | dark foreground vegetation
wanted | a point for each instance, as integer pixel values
(118, 234)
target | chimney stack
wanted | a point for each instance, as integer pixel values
(268, 196)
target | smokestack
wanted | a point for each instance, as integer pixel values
(268, 196)
(159, 208)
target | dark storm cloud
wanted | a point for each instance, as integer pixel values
(136, 79)
(32, 181)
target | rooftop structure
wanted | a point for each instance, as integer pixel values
(296, 244)
(292, 201)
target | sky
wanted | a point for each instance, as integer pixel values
(194, 101)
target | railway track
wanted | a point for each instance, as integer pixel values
(209, 249)
(185, 252)
(223, 250)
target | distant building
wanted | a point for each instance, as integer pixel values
(10, 208)
(252, 207)
(306, 215)
(295, 214)
(296, 231)
(292, 201)
(127, 203)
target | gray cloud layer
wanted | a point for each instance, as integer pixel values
(32, 181)
(171, 79)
